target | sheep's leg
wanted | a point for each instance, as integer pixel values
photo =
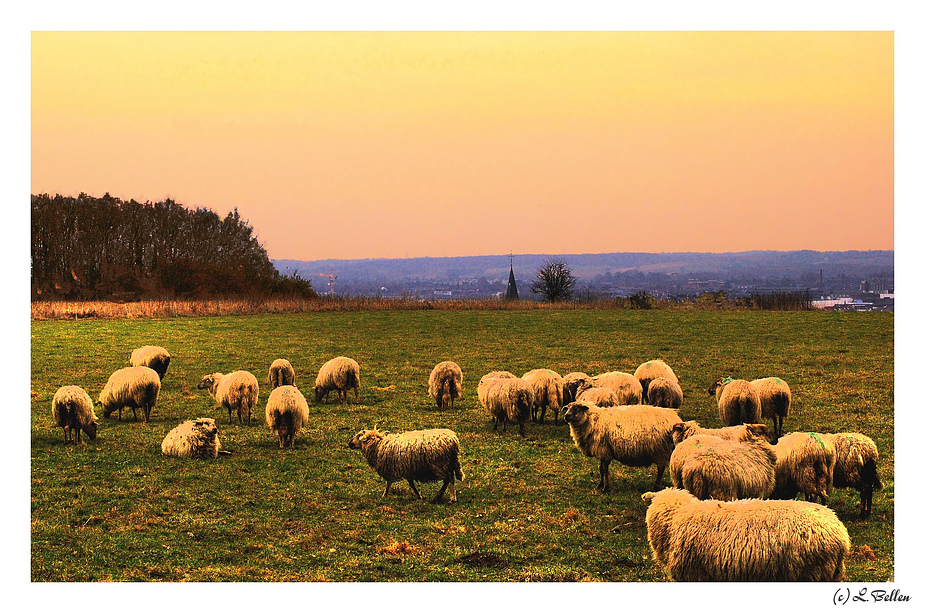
(77, 440)
(67, 438)
(134, 414)
(604, 485)
(658, 476)
(522, 431)
(451, 484)
(443, 489)
(543, 414)
(356, 393)
(120, 413)
(147, 413)
(388, 484)
(495, 428)
(415, 489)
(229, 415)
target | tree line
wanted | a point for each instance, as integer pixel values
(97, 248)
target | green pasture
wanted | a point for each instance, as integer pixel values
(116, 509)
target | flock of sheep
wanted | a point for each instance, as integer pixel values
(731, 515)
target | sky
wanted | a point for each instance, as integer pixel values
(385, 144)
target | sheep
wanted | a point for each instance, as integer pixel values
(638, 435)
(774, 396)
(281, 373)
(547, 392)
(647, 371)
(664, 392)
(507, 400)
(417, 455)
(686, 429)
(570, 384)
(598, 396)
(194, 439)
(134, 387)
(341, 374)
(445, 383)
(737, 399)
(286, 413)
(235, 391)
(152, 356)
(72, 409)
(626, 386)
(724, 469)
(856, 465)
(744, 540)
(805, 464)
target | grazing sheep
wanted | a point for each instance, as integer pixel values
(547, 392)
(281, 373)
(626, 386)
(194, 438)
(598, 396)
(341, 374)
(638, 435)
(445, 383)
(647, 371)
(135, 387)
(774, 396)
(805, 464)
(744, 540)
(416, 455)
(666, 393)
(723, 469)
(856, 466)
(570, 384)
(287, 412)
(737, 399)
(154, 357)
(72, 409)
(236, 391)
(689, 428)
(507, 399)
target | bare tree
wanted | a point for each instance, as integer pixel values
(554, 281)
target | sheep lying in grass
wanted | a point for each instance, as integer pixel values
(445, 384)
(237, 391)
(737, 399)
(281, 373)
(341, 374)
(626, 386)
(154, 357)
(805, 464)
(136, 387)
(647, 371)
(570, 384)
(635, 436)
(286, 413)
(745, 540)
(774, 397)
(508, 399)
(664, 392)
(856, 465)
(547, 392)
(418, 455)
(598, 396)
(723, 469)
(195, 438)
(72, 409)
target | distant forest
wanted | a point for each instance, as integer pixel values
(107, 248)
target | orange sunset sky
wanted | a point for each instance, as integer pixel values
(405, 144)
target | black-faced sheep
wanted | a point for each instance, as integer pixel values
(598, 396)
(737, 400)
(774, 395)
(237, 391)
(281, 373)
(626, 386)
(136, 387)
(744, 540)
(723, 469)
(445, 384)
(194, 438)
(647, 371)
(547, 392)
(570, 384)
(417, 455)
(805, 464)
(665, 393)
(286, 413)
(72, 409)
(341, 374)
(638, 435)
(152, 356)
(856, 466)
(508, 399)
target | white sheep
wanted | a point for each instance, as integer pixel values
(236, 391)
(686, 429)
(647, 371)
(281, 373)
(774, 396)
(723, 469)
(663, 392)
(638, 435)
(547, 392)
(193, 439)
(341, 374)
(856, 465)
(598, 396)
(136, 387)
(445, 383)
(72, 409)
(626, 386)
(570, 384)
(152, 356)
(744, 540)
(286, 413)
(417, 455)
(508, 399)
(805, 464)
(737, 400)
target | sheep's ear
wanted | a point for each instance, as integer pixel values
(647, 497)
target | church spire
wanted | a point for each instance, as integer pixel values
(511, 284)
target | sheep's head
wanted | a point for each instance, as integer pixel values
(319, 393)
(717, 385)
(209, 382)
(364, 437)
(761, 431)
(583, 384)
(90, 429)
(681, 431)
(206, 425)
(575, 412)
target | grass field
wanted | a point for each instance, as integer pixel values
(116, 509)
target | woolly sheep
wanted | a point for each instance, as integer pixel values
(72, 409)
(686, 429)
(235, 391)
(152, 356)
(598, 396)
(856, 465)
(570, 384)
(194, 438)
(508, 399)
(774, 397)
(286, 413)
(737, 399)
(647, 371)
(341, 374)
(723, 469)
(547, 392)
(417, 455)
(666, 393)
(744, 540)
(805, 464)
(135, 387)
(638, 435)
(281, 373)
(445, 383)
(626, 386)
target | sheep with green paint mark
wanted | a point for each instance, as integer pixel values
(724, 469)
(626, 386)
(774, 396)
(737, 400)
(805, 465)
(856, 465)
(647, 371)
